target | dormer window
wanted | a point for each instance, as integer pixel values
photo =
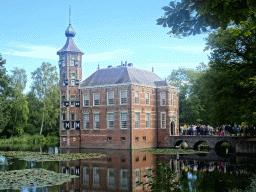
(72, 60)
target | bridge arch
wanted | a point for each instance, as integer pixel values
(196, 145)
(218, 147)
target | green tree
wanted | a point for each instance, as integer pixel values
(19, 104)
(232, 69)
(5, 93)
(190, 106)
(196, 16)
(46, 90)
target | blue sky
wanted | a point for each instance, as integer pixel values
(107, 31)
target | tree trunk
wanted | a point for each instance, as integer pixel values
(42, 124)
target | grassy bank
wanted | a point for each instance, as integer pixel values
(31, 139)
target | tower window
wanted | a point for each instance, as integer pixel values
(63, 60)
(63, 78)
(171, 99)
(73, 78)
(137, 97)
(72, 120)
(63, 99)
(72, 99)
(163, 120)
(137, 120)
(147, 120)
(72, 60)
(163, 98)
(147, 99)
(63, 117)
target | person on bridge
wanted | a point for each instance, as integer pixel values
(185, 129)
(239, 129)
(235, 129)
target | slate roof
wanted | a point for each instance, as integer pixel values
(123, 75)
(69, 46)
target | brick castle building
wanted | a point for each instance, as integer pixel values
(116, 108)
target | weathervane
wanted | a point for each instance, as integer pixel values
(69, 13)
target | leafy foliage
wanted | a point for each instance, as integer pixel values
(163, 179)
(191, 17)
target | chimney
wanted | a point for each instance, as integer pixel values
(109, 66)
(130, 65)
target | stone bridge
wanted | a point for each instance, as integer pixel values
(239, 144)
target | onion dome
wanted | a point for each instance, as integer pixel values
(70, 32)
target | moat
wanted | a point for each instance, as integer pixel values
(118, 170)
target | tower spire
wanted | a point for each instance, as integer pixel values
(69, 13)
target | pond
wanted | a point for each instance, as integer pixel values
(118, 170)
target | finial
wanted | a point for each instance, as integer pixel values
(98, 66)
(152, 69)
(69, 13)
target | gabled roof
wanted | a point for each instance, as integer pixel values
(70, 46)
(123, 75)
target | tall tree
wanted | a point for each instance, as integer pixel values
(45, 87)
(19, 104)
(5, 93)
(191, 17)
(190, 106)
(233, 56)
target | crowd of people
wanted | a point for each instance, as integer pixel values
(222, 130)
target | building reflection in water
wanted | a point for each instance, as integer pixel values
(120, 169)
(117, 171)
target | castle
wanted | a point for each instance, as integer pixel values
(115, 108)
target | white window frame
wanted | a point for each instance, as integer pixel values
(171, 99)
(109, 120)
(94, 122)
(72, 60)
(73, 79)
(109, 98)
(122, 98)
(84, 95)
(63, 59)
(96, 175)
(72, 96)
(110, 184)
(86, 175)
(121, 127)
(148, 122)
(124, 179)
(63, 100)
(148, 173)
(163, 98)
(137, 97)
(163, 126)
(95, 99)
(137, 121)
(137, 177)
(85, 122)
(147, 99)
(72, 120)
(63, 79)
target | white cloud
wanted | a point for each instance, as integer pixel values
(49, 52)
(117, 54)
(191, 49)
(35, 51)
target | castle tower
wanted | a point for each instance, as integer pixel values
(70, 64)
